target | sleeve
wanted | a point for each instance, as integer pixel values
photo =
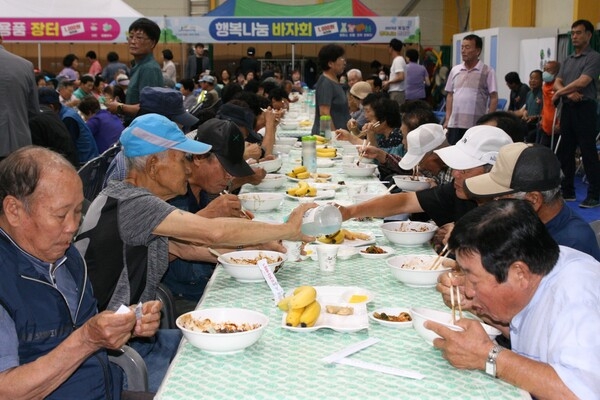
(72, 127)
(150, 77)
(33, 105)
(491, 81)
(592, 67)
(450, 82)
(325, 94)
(9, 345)
(139, 215)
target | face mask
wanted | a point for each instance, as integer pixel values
(547, 77)
(382, 77)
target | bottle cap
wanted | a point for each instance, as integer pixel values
(325, 117)
(309, 138)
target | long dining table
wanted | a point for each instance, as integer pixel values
(286, 364)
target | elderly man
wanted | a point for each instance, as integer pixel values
(547, 294)
(211, 174)
(53, 339)
(473, 155)
(532, 172)
(129, 230)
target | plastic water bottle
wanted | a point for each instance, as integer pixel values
(309, 153)
(322, 220)
(325, 127)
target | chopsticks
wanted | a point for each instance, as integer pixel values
(452, 301)
(244, 212)
(438, 261)
(364, 150)
(391, 188)
(415, 173)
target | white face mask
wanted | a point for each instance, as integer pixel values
(382, 76)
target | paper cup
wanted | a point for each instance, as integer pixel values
(327, 254)
(349, 159)
(293, 249)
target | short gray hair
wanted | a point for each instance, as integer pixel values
(139, 163)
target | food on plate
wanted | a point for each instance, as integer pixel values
(305, 123)
(255, 260)
(310, 314)
(208, 326)
(302, 307)
(302, 190)
(349, 235)
(334, 238)
(320, 139)
(293, 316)
(339, 310)
(301, 173)
(402, 317)
(358, 298)
(373, 250)
(327, 152)
(303, 296)
(408, 227)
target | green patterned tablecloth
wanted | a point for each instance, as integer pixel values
(288, 365)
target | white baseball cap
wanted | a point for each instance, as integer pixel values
(421, 141)
(479, 146)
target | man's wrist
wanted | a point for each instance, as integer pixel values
(492, 357)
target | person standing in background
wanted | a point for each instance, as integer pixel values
(548, 109)
(113, 68)
(470, 86)
(417, 77)
(396, 86)
(169, 70)
(197, 63)
(95, 67)
(249, 63)
(330, 98)
(18, 101)
(576, 87)
(69, 72)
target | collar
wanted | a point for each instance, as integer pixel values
(477, 66)
(584, 52)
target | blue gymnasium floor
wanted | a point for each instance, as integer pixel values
(589, 214)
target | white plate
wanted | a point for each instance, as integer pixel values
(388, 251)
(325, 185)
(338, 295)
(360, 242)
(391, 311)
(325, 162)
(344, 252)
(321, 195)
(326, 177)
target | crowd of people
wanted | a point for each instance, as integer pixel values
(186, 147)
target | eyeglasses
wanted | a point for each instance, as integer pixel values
(138, 38)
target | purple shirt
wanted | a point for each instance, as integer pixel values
(415, 81)
(106, 128)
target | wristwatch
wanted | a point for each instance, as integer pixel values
(490, 363)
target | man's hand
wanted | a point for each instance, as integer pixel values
(252, 150)
(372, 152)
(295, 219)
(445, 282)
(464, 350)
(227, 205)
(108, 330)
(150, 321)
(441, 236)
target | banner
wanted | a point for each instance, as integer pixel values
(217, 29)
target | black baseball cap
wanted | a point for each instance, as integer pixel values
(48, 95)
(251, 51)
(227, 143)
(167, 102)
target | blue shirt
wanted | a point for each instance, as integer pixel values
(559, 325)
(569, 229)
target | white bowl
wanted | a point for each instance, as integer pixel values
(388, 252)
(224, 343)
(405, 183)
(408, 233)
(261, 202)
(249, 273)
(291, 141)
(402, 266)
(271, 181)
(422, 314)
(288, 125)
(359, 170)
(270, 165)
(282, 148)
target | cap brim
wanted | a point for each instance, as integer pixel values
(237, 169)
(185, 119)
(124, 83)
(193, 147)
(485, 186)
(409, 161)
(457, 159)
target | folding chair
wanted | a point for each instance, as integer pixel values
(92, 173)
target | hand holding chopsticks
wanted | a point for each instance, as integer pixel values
(438, 261)
(452, 301)
(244, 213)
(363, 151)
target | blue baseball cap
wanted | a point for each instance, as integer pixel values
(154, 133)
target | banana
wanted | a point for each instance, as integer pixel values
(284, 303)
(292, 191)
(300, 288)
(320, 138)
(291, 174)
(299, 169)
(334, 238)
(293, 316)
(312, 191)
(303, 175)
(302, 189)
(303, 298)
(310, 314)
(325, 239)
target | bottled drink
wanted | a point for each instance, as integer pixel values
(309, 153)
(322, 220)
(325, 127)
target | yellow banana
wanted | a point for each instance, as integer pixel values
(302, 189)
(320, 138)
(312, 191)
(284, 303)
(291, 174)
(310, 314)
(338, 237)
(300, 288)
(303, 175)
(334, 238)
(325, 239)
(299, 169)
(293, 316)
(303, 298)
(292, 191)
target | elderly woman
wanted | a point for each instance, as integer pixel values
(330, 98)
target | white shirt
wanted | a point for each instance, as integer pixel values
(398, 65)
